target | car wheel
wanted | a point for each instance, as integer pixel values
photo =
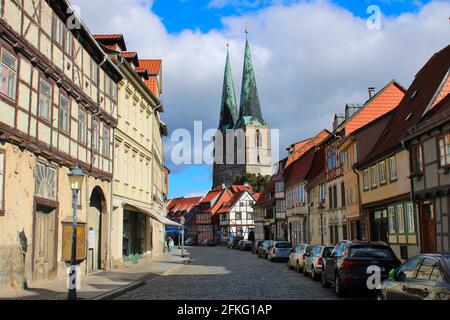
(314, 274)
(289, 264)
(297, 266)
(325, 283)
(269, 258)
(338, 287)
(305, 272)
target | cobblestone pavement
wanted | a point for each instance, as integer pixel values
(220, 273)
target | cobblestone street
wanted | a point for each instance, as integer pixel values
(220, 273)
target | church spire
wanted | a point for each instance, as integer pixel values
(250, 109)
(228, 111)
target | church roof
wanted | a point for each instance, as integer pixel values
(250, 108)
(228, 110)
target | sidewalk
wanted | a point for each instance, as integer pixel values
(104, 284)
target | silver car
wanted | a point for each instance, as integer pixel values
(297, 256)
(279, 250)
(315, 260)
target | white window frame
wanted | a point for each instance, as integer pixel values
(366, 182)
(82, 127)
(64, 114)
(392, 169)
(11, 75)
(392, 220)
(382, 169)
(374, 176)
(2, 180)
(401, 218)
(410, 217)
(45, 100)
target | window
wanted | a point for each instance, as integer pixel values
(279, 186)
(342, 195)
(409, 269)
(94, 71)
(417, 160)
(96, 133)
(400, 219)
(64, 114)
(69, 43)
(341, 158)
(322, 192)
(108, 86)
(249, 216)
(335, 198)
(105, 146)
(258, 139)
(382, 167)
(58, 31)
(2, 180)
(238, 215)
(241, 203)
(330, 198)
(45, 181)
(391, 220)
(392, 169)
(426, 269)
(311, 196)
(45, 100)
(437, 275)
(125, 167)
(82, 125)
(8, 75)
(355, 153)
(374, 176)
(366, 179)
(444, 150)
(410, 217)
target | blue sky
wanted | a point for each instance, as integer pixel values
(178, 15)
(203, 15)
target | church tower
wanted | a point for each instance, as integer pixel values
(242, 143)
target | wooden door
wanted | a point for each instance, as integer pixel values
(428, 227)
(44, 267)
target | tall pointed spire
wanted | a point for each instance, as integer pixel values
(228, 111)
(250, 109)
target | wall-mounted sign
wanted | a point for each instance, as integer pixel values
(91, 239)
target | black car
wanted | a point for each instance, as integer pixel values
(256, 246)
(424, 277)
(347, 266)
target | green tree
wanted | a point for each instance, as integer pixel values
(258, 182)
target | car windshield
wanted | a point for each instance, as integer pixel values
(367, 251)
(283, 245)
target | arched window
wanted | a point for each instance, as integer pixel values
(258, 138)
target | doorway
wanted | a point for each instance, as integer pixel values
(97, 206)
(428, 223)
(379, 230)
(44, 257)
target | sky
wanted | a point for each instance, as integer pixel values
(311, 57)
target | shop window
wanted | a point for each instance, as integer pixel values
(391, 215)
(400, 219)
(410, 217)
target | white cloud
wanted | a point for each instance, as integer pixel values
(310, 58)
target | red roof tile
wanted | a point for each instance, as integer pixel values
(299, 169)
(306, 146)
(414, 104)
(236, 188)
(153, 65)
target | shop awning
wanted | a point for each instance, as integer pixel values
(169, 222)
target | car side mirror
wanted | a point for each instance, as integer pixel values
(392, 274)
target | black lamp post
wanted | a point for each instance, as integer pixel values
(321, 207)
(76, 177)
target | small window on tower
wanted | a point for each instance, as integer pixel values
(258, 138)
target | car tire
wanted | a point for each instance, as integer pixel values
(297, 267)
(338, 287)
(325, 283)
(269, 258)
(305, 273)
(289, 264)
(314, 274)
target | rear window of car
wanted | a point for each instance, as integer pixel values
(366, 251)
(283, 245)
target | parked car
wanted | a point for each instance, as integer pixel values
(424, 277)
(246, 245)
(210, 243)
(279, 250)
(256, 246)
(191, 242)
(233, 243)
(315, 261)
(298, 255)
(264, 249)
(347, 265)
(240, 244)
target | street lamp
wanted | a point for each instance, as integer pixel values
(76, 177)
(182, 220)
(321, 207)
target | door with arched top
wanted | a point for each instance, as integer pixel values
(96, 212)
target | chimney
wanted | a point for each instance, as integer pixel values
(371, 92)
